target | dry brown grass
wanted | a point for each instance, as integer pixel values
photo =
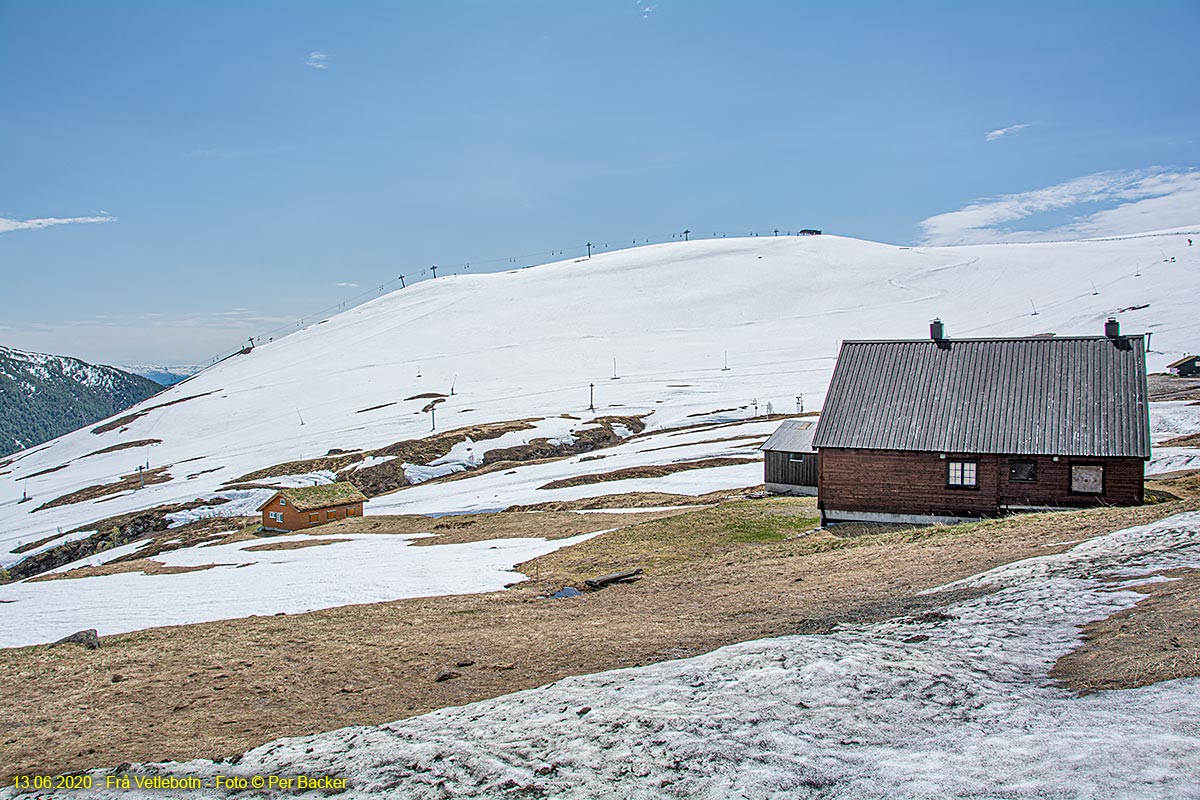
(462, 528)
(147, 566)
(636, 500)
(128, 419)
(47, 471)
(292, 545)
(128, 482)
(713, 576)
(758, 441)
(1172, 387)
(702, 426)
(123, 446)
(1190, 440)
(648, 471)
(1156, 640)
(416, 451)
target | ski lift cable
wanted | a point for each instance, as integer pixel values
(354, 300)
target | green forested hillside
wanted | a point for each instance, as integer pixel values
(44, 396)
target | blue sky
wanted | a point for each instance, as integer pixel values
(177, 176)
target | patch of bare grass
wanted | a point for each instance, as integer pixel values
(462, 528)
(146, 566)
(1172, 387)
(634, 500)
(415, 451)
(1156, 640)
(133, 480)
(755, 441)
(292, 545)
(712, 577)
(648, 471)
(128, 419)
(123, 446)
(47, 471)
(1188, 440)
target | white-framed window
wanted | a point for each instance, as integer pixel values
(331, 514)
(1087, 478)
(796, 457)
(282, 502)
(275, 515)
(314, 519)
(962, 474)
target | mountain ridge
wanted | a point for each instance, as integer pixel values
(645, 331)
(44, 396)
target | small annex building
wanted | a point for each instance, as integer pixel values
(1185, 367)
(301, 507)
(942, 430)
(789, 461)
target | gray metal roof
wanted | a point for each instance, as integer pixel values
(1034, 396)
(792, 436)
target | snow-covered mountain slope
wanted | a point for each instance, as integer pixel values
(527, 344)
(43, 396)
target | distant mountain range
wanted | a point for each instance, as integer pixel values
(44, 396)
(167, 376)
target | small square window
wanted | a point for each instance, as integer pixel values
(1088, 479)
(314, 519)
(796, 457)
(962, 474)
(282, 502)
(330, 515)
(1022, 471)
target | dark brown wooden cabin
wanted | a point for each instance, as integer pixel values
(789, 461)
(302, 507)
(941, 430)
(1185, 367)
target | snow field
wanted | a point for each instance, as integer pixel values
(667, 313)
(363, 568)
(956, 705)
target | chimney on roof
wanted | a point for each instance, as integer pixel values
(937, 331)
(1112, 328)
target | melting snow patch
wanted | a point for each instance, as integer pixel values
(242, 503)
(956, 704)
(372, 461)
(367, 568)
(1170, 459)
(319, 478)
(418, 473)
(1173, 418)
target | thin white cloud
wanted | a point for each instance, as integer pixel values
(318, 60)
(1139, 200)
(1001, 132)
(7, 225)
(348, 285)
